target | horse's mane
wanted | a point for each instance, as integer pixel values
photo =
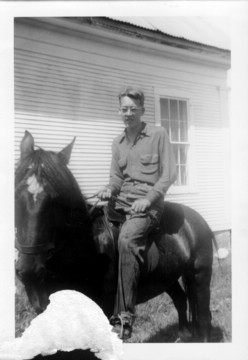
(56, 176)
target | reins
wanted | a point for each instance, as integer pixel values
(91, 197)
(114, 198)
(45, 247)
(33, 249)
(95, 204)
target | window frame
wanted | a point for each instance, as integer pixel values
(177, 94)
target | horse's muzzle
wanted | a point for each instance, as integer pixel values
(30, 272)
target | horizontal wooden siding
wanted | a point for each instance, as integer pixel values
(61, 93)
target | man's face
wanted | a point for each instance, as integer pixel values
(131, 112)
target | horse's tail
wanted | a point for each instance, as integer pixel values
(217, 250)
(193, 302)
(207, 240)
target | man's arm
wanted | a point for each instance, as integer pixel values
(167, 168)
(116, 176)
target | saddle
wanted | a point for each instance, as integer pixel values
(171, 220)
(107, 226)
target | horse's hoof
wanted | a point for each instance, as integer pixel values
(124, 332)
(127, 332)
(122, 325)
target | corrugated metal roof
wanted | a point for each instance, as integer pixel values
(211, 31)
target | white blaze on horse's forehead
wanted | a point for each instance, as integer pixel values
(34, 187)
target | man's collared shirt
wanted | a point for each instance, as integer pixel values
(143, 168)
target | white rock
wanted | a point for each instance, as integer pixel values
(71, 321)
(222, 253)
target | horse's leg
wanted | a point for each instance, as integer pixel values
(109, 289)
(198, 276)
(179, 299)
(202, 292)
(198, 291)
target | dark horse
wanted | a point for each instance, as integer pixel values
(63, 242)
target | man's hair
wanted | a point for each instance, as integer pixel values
(132, 93)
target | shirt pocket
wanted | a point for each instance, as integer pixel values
(122, 162)
(149, 163)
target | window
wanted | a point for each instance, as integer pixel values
(174, 117)
(172, 112)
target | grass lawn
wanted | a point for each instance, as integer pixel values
(156, 320)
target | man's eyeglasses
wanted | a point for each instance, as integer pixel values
(132, 110)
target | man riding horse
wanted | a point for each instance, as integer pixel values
(57, 231)
(142, 170)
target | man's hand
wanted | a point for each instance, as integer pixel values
(104, 194)
(141, 205)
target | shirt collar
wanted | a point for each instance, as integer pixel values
(144, 132)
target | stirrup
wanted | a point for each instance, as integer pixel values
(125, 322)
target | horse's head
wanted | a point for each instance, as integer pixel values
(46, 197)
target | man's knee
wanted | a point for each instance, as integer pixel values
(125, 241)
(132, 236)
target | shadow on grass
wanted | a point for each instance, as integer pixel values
(167, 335)
(216, 335)
(170, 335)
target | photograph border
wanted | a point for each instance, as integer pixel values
(238, 12)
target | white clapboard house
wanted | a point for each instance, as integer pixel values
(68, 72)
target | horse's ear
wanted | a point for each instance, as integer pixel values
(65, 154)
(27, 145)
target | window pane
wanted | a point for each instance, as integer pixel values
(183, 155)
(182, 110)
(183, 131)
(174, 130)
(183, 175)
(174, 118)
(164, 108)
(173, 110)
(166, 125)
(176, 153)
(177, 182)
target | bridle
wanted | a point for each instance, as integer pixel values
(49, 246)
(40, 248)
(33, 249)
